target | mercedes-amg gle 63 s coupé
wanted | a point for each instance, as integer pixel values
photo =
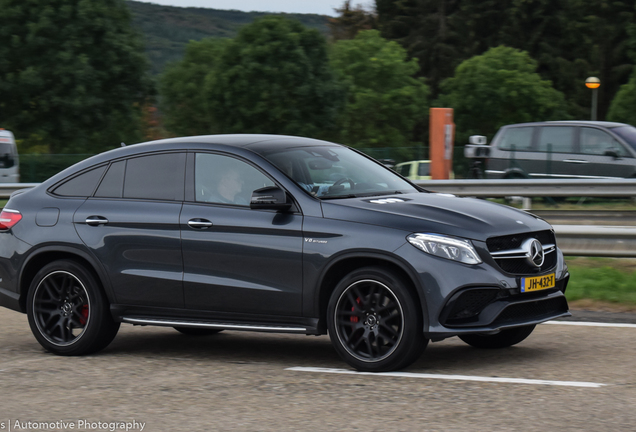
(275, 234)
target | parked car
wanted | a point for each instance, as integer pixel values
(415, 170)
(563, 149)
(9, 161)
(275, 234)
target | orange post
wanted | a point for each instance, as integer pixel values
(441, 139)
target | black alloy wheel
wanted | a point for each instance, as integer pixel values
(503, 339)
(68, 312)
(374, 322)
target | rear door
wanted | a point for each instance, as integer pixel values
(555, 147)
(131, 224)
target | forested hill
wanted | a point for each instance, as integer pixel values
(167, 29)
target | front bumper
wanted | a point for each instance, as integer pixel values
(463, 299)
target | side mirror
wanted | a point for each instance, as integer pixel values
(476, 151)
(270, 198)
(613, 153)
(477, 139)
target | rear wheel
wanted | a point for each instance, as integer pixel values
(503, 339)
(195, 331)
(67, 310)
(374, 321)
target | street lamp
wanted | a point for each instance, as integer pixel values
(593, 83)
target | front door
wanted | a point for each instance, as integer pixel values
(237, 259)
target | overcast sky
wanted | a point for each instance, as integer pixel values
(323, 7)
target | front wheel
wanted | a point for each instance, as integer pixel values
(503, 339)
(375, 322)
(67, 310)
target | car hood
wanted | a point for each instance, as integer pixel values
(470, 218)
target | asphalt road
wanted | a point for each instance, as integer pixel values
(241, 381)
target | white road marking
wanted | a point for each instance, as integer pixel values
(591, 324)
(450, 377)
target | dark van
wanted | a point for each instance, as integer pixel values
(563, 149)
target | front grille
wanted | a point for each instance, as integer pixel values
(521, 265)
(496, 244)
(535, 310)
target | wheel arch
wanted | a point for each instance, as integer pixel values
(512, 173)
(345, 264)
(48, 254)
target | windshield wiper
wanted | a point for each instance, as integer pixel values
(338, 197)
(363, 195)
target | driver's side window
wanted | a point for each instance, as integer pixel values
(225, 180)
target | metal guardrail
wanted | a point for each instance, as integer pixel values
(6, 189)
(577, 240)
(599, 241)
(533, 188)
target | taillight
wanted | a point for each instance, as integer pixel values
(8, 218)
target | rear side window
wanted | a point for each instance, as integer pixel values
(82, 185)
(158, 177)
(518, 139)
(557, 139)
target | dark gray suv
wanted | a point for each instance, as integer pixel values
(563, 149)
(275, 234)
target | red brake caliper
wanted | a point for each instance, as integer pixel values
(354, 319)
(84, 313)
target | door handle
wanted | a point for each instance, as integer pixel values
(96, 220)
(199, 223)
(576, 161)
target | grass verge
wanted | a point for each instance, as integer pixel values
(602, 283)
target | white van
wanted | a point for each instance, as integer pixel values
(9, 161)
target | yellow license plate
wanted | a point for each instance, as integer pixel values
(537, 283)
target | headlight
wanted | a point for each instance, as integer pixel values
(451, 248)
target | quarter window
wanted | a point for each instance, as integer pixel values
(556, 139)
(226, 180)
(82, 185)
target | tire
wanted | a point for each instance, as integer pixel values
(503, 339)
(67, 310)
(375, 322)
(195, 331)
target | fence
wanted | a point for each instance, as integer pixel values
(35, 168)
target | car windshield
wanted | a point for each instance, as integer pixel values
(628, 133)
(337, 172)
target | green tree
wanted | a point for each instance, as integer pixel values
(350, 21)
(274, 77)
(623, 107)
(497, 88)
(384, 100)
(569, 39)
(427, 29)
(183, 102)
(72, 73)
